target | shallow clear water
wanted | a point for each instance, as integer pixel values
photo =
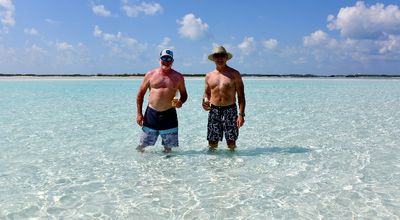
(310, 149)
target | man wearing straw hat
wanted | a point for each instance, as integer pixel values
(221, 87)
(160, 117)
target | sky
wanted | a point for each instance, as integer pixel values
(322, 37)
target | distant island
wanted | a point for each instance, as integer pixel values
(358, 75)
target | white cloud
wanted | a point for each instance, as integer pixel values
(97, 32)
(31, 31)
(368, 34)
(192, 27)
(392, 45)
(111, 37)
(51, 57)
(64, 46)
(270, 43)
(315, 38)
(247, 46)
(71, 56)
(51, 21)
(120, 44)
(33, 55)
(320, 38)
(326, 51)
(165, 44)
(7, 9)
(107, 36)
(363, 22)
(36, 50)
(151, 9)
(100, 10)
(146, 8)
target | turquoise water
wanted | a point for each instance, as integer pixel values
(310, 149)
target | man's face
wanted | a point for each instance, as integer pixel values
(220, 58)
(166, 62)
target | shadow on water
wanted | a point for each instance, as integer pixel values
(242, 152)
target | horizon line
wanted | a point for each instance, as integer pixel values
(197, 75)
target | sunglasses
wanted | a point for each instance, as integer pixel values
(219, 55)
(167, 59)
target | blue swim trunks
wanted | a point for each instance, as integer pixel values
(163, 123)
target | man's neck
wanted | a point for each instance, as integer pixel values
(222, 68)
(165, 72)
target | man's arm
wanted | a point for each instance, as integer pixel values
(182, 91)
(139, 98)
(241, 99)
(207, 95)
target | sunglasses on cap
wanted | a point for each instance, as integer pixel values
(167, 58)
(219, 55)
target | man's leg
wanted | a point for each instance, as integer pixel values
(148, 137)
(231, 145)
(140, 148)
(214, 129)
(169, 139)
(167, 149)
(230, 127)
(212, 145)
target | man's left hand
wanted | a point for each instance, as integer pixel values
(240, 121)
(178, 104)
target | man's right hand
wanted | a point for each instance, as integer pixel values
(139, 119)
(206, 105)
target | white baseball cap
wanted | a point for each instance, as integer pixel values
(167, 52)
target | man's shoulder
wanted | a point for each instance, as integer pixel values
(236, 74)
(176, 73)
(233, 70)
(153, 71)
(214, 72)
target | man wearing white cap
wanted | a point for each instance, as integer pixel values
(221, 87)
(160, 117)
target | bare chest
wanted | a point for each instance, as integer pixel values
(222, 83)
(159, 82)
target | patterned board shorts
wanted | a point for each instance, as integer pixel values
(222, 119)
(163, 123)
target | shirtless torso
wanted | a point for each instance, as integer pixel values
(222, 86)
(162, 86)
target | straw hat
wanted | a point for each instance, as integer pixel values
(217, 50)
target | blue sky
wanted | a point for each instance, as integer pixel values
(268, 37)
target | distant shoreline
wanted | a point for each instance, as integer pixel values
(139, 75)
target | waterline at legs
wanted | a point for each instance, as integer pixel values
(140, 148)
(167, 150)
(212, 145)
(231, 145)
